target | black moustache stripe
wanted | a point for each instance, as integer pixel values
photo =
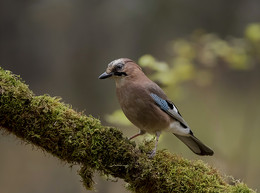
(120, 73)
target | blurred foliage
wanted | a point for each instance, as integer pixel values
(117, 117)
(195, 58)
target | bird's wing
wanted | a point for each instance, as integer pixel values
(169, 108)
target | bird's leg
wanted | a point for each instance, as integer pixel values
(141, 132)
(158, 133)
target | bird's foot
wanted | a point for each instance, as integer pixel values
(152, 154)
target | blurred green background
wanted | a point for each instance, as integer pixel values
(205, 54)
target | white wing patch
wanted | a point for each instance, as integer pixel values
(177, 128)
(175, 109)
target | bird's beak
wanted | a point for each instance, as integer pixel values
(105, 75)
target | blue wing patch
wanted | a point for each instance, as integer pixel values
(160, 102)
(169, 108)
(164, 104)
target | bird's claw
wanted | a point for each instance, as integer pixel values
(152, 154)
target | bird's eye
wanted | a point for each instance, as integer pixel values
(119, 67)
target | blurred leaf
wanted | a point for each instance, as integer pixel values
(183, 48)
(146, 60)
(238, 59)
(118, 118)
(150, 62)
(253, 32)
(220, 47)
(165, 78)
(183, 69)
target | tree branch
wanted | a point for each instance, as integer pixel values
(73, 137)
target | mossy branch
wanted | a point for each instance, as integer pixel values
(73, 137)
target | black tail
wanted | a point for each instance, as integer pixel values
(195, 145)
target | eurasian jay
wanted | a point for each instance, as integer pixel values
(145, 104)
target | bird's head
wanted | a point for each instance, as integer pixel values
(120, 68)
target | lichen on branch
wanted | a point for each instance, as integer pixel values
(55, 127)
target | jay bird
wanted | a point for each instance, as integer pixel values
(145, 104)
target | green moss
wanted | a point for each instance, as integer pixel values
(86, 174)
(55, 127)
